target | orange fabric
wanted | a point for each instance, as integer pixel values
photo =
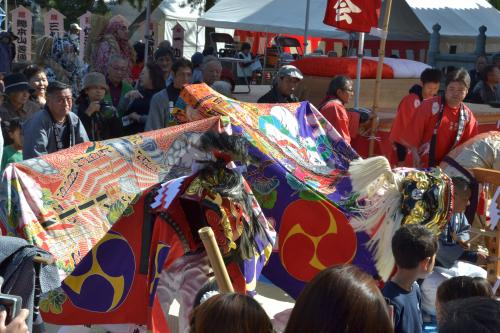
(336, 114)
(424, 121)
(329, 67)
(353, 123)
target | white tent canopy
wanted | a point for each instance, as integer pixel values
(276, 16)
(410, 19)
(171, 12)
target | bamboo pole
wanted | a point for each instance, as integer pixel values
(214, 256)
(380, 66)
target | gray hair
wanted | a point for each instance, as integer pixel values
(115, 58)
(208, 59)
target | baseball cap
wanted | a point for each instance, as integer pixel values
(75, 26)
(290, 70)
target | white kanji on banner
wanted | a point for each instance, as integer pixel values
(344, 8)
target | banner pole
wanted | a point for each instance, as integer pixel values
(380, 66)
(215, 257)
(147, 31)
(361, 46)
(306, 28)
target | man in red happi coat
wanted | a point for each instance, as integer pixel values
(441, 123)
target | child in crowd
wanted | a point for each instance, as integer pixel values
(460, 287)
(98, 117)
(453, 256)
(13, 153)
(414, 248)
(340, 299)
(229, 313)
(454, 240)
(470, 315)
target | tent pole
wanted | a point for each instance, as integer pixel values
(197, 32)
(381, 54)
(146, 30)
(265, 59)
(361, 46)
(306, 28)
(6, 24)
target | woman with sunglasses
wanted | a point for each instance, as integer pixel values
(333, 106)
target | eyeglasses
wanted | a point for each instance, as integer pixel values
(120, 69)
(62, 100)
(348, 90)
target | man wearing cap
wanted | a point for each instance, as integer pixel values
(54, 127)
(17, 104)
(284, 85)
(99, 118)
(74, 35)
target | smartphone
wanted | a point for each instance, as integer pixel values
(11, 304)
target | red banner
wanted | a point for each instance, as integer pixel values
(353, 15)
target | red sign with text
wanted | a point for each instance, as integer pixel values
(353, 15)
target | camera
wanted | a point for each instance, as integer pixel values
(107, 109)
(10, 303)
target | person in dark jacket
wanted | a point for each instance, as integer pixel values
(151, 82)
(99, 117)
(485, 90)
(55, 127)
(284, 85)
(7, 51)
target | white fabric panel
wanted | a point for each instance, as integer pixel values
(410, 19)
(404, 68)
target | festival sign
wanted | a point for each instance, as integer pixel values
(178, 40)
(84, 33)
(54, 23)
(21, 26)
(353, 15)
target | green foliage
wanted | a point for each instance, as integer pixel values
(495, 3)
(141, 4)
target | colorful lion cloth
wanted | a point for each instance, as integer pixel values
(79, 202)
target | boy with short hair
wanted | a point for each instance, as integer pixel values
(454, 240)
(414, 248)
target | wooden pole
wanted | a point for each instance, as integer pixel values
(214, 256)
(380, 66)
(493, 178)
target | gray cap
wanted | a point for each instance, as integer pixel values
(289, 70)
